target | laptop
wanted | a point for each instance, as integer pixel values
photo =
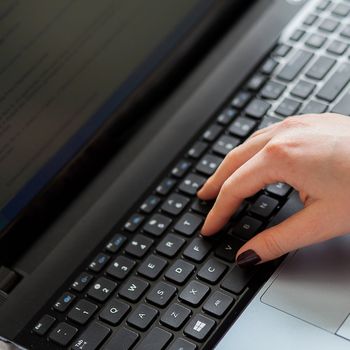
(113, 115)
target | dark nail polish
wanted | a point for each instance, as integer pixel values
(248, 258)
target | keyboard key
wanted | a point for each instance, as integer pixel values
(346, 32)
(225, 144)
(337, 47)
(170, 245)
(191, 184)
(242, 126)
(82, 311)
(288, 107)
(272, 90)
(247, 227)
(99, 262)
(197, 150)
(64, 301)
(161, 294)
(320, 68)
(323, 4)
(218, 304)
(313, 107)
(202, 207)
(303, 89)
(156, 339)
(282, 50)
(329, 25)
(194, 293)
(279, 189)
(114, 312)
(226, 116)
(269, 66)
(150, 204)
(181, 168)
(152, 267)
(264, 206)
(335, 83)
(179, 271)
(142, 317)
(257, 108)
(175, 316)
(343, 106)
(212, 133)
(212, 271)
(257, 81)
(199, 327)
(208, 164)
(182, 344)
(237, 280)
(139, 246)
(157, 224)
(123, 338)
(295, 65)
(188, 224)
(81, 282)
(133, 289)
(297, 35)
(341, 10)
(241, 99)
(102, 289)
(198, 249)
(116, 243)
(310, 20)
(228, 248)
(166, 186)
(63, 334)
(175, 204)
(92, 337)
(121, 267)
(45, 323)
(316, 41)
(134, 222)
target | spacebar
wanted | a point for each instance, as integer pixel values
(292, 206)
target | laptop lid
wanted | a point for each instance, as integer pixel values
(71, 72)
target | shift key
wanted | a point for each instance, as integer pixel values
(335, 84)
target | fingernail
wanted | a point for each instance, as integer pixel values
(248, 258)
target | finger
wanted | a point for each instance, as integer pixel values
(308, 226)
(246, 181)
(235, 159)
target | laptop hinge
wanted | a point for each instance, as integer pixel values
(8, 280)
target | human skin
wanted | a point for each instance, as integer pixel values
(312, 154)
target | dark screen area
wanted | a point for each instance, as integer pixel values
(65, 66)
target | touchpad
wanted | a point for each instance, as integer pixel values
(315, 285)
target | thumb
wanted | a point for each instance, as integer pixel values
(310, 225)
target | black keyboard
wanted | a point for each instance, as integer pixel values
(155, 283)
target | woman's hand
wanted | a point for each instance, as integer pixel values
(312, 154)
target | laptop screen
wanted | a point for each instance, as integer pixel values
(64, 67)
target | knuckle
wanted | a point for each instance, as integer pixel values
(291, 122)
(231, 155)
(226, 187)
(273, 245)
(277, 148)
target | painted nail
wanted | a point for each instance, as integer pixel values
(248, 258)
